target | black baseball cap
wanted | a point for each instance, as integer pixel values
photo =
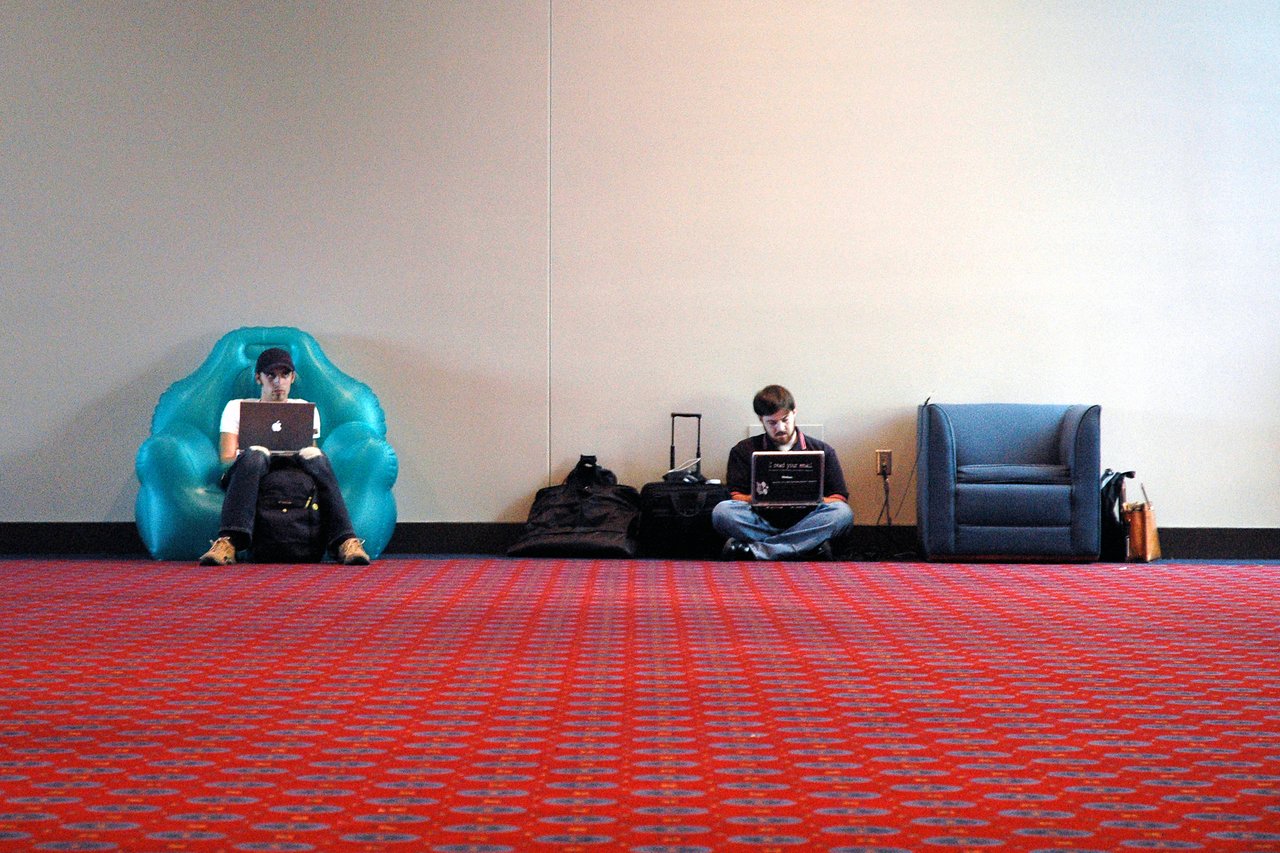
(273, 358)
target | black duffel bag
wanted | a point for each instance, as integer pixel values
(1115, 530)
(588, 515)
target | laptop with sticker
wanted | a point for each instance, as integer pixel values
(282, 428)
(791, 478)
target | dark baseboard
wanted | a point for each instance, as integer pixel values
(1220, 543)
(428, 537)
(63, 538)
(120, 539)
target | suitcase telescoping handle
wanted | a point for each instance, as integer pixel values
(698, 451)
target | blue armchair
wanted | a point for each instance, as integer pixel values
(1008, 481)
(179, 501)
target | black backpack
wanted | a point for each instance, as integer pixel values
(288, 527)
(1115, 531)
(588, 515)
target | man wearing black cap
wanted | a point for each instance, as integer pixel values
(275, 373)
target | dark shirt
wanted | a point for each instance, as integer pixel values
(738, 475)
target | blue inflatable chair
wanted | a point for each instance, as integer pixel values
(179, 501)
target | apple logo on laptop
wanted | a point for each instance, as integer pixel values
(277, 426)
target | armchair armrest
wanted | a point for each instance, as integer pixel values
(1080, 443)
(366, 467)
(936, 480)
(1079, 431)
(179, 498)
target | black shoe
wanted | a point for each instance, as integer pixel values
(820, 554)
(735, 550)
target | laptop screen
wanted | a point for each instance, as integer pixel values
(280, 427)
(791, 478)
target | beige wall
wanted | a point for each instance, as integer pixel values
(536, 228)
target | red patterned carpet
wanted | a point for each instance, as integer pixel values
(479, 705)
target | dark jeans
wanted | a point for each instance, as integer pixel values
(240, 506)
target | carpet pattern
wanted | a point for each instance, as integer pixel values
(487, 705)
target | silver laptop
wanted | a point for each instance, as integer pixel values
(791, 478)
(282, 428)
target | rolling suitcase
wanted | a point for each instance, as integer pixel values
(675, 512)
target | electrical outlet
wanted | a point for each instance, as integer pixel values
(884, 463)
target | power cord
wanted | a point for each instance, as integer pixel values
(886, 511)
(885, 532)
(915, 463)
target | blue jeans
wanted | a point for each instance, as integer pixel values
(739, 520)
